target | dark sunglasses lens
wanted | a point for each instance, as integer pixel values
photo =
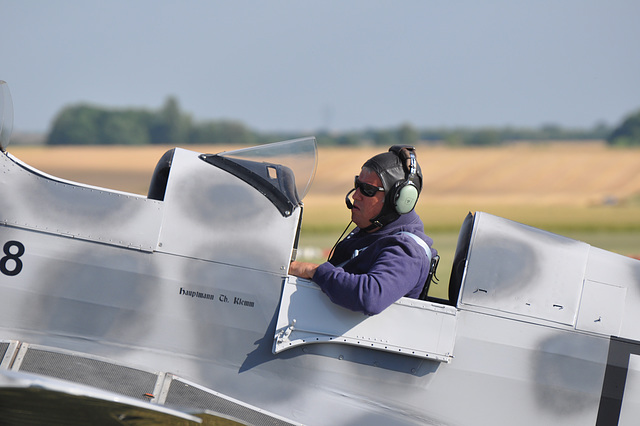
(366, 189)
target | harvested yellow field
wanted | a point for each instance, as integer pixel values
(560, 185)
(561, 173)
(548, 185)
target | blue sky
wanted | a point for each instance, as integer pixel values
(343, 65)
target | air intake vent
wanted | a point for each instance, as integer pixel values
(183, 394)
(3, 349)
(88, 371)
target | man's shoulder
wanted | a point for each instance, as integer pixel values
(405, 237)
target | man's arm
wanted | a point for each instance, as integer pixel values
(391, 273)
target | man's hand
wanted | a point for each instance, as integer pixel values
(302, 269)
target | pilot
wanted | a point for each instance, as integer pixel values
(388, 255)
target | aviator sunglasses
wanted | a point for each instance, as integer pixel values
(367, 189)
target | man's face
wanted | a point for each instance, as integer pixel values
(366, 208)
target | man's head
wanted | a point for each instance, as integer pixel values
(368, 198)
(398, 177)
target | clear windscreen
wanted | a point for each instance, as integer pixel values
(6, 115)
(299, 155)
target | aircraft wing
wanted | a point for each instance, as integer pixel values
(28, 399)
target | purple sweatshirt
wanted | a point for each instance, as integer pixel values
(388, 266)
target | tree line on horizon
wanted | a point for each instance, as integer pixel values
(85, 124)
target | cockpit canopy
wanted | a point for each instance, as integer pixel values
(282, 172)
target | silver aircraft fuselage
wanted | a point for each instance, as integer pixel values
(182, 300)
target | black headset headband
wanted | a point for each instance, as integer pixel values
(407, 156)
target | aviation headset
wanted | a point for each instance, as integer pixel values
(405, 192)
(401, 178)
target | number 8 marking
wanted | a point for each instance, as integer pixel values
(17, 267)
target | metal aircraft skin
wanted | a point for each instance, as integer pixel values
(176, 308)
